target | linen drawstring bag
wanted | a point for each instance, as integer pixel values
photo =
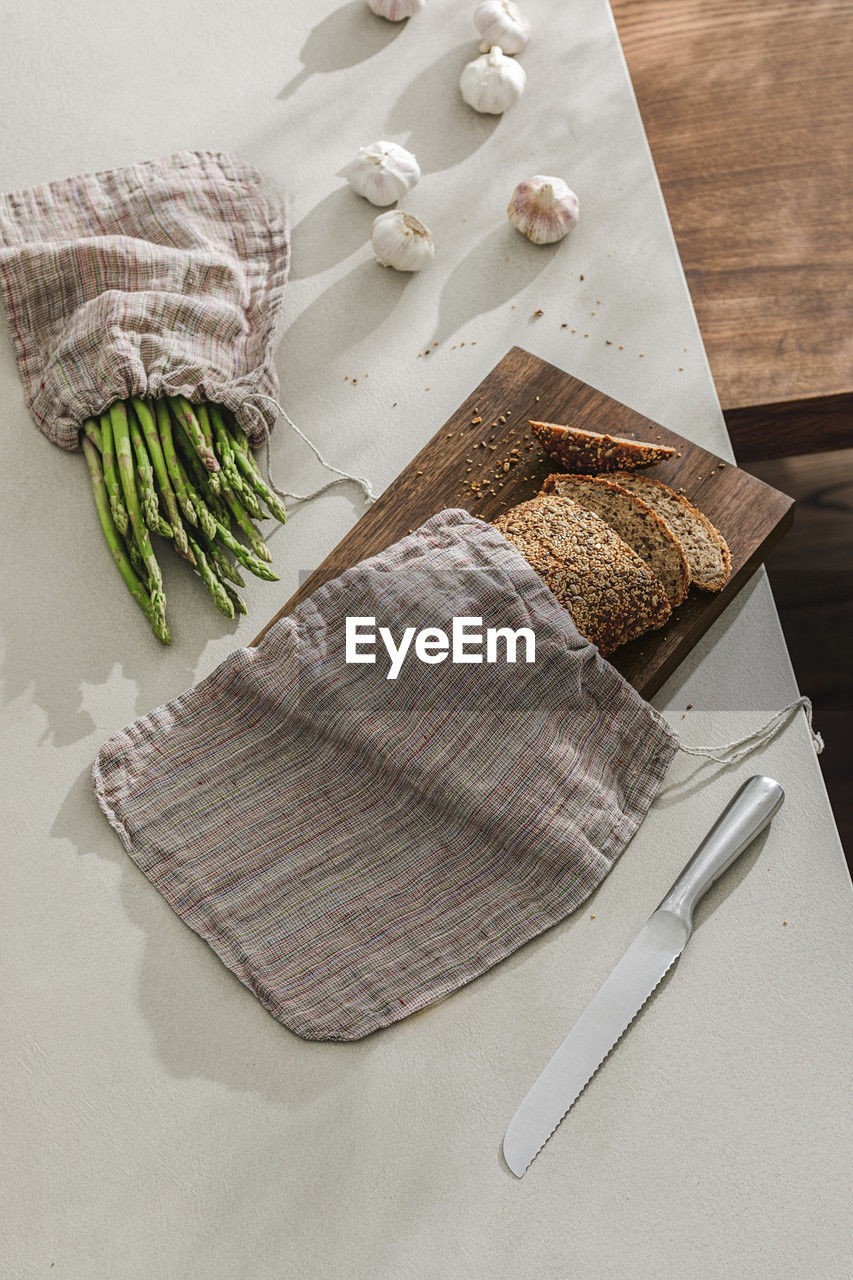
(355, 847)
(164, 278)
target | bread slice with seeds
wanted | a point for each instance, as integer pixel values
(635, 522)
(611, 593)
(707, 552)
(589, 452)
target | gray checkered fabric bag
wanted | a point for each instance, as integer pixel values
(162, 278)
(355, 847)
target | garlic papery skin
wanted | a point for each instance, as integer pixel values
(401, 241)
(544, 209)
(396, 10)
(492, 83)
(382, 172)
(501, 23)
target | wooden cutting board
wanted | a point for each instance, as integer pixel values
(488, 465)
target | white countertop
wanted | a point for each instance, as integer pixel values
(158, 1123)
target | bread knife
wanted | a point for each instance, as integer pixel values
(655, 949)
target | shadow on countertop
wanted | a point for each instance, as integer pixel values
(346, 37)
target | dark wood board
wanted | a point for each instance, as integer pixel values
(751, 515)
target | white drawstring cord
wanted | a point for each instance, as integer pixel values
(343, 476)
(731, 752)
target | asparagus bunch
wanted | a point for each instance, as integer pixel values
(182, 472)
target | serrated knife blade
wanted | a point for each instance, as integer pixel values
(655, 949)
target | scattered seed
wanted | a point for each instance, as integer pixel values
(536, 314)
(475, 422)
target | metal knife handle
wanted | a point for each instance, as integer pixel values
(743, 819)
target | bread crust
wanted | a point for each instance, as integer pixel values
(590, 452)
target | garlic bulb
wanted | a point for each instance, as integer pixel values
(492, 82)
(544, 209)
(396, 10)
(382, 172)
(401, 241)
(502, 23)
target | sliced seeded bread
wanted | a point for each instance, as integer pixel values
(611, 593)
(588, 452)
(635, 522)
(708, 556)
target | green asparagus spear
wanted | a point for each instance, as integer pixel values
(243, 521)
(225, 568)
(145, 418)
(144, 474)
(207, 431)
(221, 598)
(133, 554)
(225, 451)
(124, 457)
(274, 504)
(247, 465)
(93, 431)
(198, 478)
(102, 504)
(244, 555)
(184, 415)
(176, 475)
(206, 519)
(245, 494)
(119, 510)
(238, 601)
